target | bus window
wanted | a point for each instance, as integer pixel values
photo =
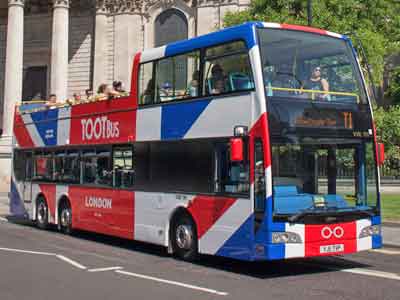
(43, 165)
(227, 69)
(146, 84)
(97, 167)
(177, 77)
(71, 172)
(20, 165)
(124, 173)
(232, 177)
(259, 177)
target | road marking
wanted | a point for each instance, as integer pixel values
(71, 262)
(374, 273)
(181, 284)
(3, 219)
(59, 256)
(27, 252)
(384, 251)
(105, 269)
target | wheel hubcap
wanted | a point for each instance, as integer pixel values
(42, 213)
(65, 217)
(184, 236)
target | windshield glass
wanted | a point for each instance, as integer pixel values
(301, 65)
(323, 174)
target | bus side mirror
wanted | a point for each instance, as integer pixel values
(380, 149)
(236, 149)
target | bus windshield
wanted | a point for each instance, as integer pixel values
(323, 174)
(301, 65)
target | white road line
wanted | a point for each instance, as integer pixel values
(27, 252)
(105, 269)
(3, 219)
(189, 286)
(374, 273)
(384, 251)
(71, 262)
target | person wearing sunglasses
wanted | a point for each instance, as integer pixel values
(317, 83)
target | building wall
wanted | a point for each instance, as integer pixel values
(3, 36)
(110, 49)
(81, 30)
(37, 42)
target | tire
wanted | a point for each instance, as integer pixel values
(184, 237)
(42, 213)
(65, 218)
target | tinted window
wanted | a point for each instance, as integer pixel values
(124, 173)
(96, 165)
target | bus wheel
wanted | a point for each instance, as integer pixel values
(184, 237)
(42, 213)
(65, 222)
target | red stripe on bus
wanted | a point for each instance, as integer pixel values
(304, 28)
(21, 132)
(206, 210)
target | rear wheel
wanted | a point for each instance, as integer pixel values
(184, 237)
(65, 218)
(42, 213)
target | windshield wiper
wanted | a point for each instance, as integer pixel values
(334, 210)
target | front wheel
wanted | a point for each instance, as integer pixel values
(42, 213)
(65, 222)
(184, 238)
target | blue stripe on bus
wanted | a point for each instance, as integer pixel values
(239, 244)
(46, 124)
(376, 241)
(376, 220)
(177, 119)
(244, 32)
(16, 203)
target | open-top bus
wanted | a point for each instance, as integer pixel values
(228, 144)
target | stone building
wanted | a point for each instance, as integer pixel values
(67, 46)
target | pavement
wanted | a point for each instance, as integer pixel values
(390, 230)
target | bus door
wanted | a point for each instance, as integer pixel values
(259, 183)
(232, 182)
(27, 183)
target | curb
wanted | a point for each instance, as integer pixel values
(396, 246)
(391, 224)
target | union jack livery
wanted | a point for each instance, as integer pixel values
(255, 142)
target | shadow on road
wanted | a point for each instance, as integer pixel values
(259, 269)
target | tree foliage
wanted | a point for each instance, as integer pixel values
(388, 131)
(376, 22)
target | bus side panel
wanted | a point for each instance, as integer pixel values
(228, 226)
(152, 215)
(104, 211)
(104, 127)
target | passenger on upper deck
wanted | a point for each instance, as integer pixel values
(52, 101)
(217, 81)
(89, 95)
(119, 89)
(317, 83)
(105, 92)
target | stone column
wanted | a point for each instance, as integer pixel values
(59, 50)
(100, 46)
(14, 64)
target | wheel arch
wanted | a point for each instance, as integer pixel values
(176, 212)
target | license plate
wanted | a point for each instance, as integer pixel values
(331, 248)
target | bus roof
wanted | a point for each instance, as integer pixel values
(244, 32)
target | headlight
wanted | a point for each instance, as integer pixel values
(286, 237)
(370, 231)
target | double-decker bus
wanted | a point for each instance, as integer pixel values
(256, 142)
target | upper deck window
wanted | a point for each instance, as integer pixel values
(227, 69)
(301, 65)
(169, 79)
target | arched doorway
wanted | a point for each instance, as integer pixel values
(170, 26)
